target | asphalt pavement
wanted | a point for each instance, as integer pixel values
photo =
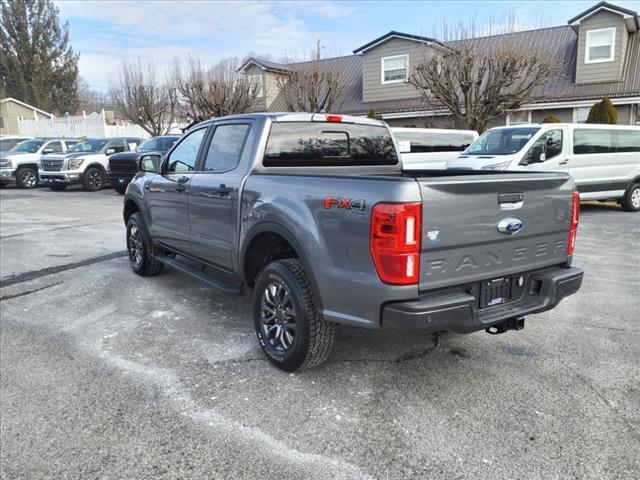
(107, 375)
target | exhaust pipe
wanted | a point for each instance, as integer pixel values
(511, 324)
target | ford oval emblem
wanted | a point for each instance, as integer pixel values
(510, 225)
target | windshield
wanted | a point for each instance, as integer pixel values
(30, 146)
(88, 146)
(160, 144)
(502, 141)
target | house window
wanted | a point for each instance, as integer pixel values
(1, 122)
(580, 114)
(519, 117)
(395, 69)
(600, 45)
(257, 80)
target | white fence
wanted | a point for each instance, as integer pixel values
(76, 127)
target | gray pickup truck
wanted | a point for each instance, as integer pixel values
(314, 213)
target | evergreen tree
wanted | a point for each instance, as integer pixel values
(603, 113)
(37, 65)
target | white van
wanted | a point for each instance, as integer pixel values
(430, 148)
(604, 160)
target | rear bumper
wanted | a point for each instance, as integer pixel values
(458, 311)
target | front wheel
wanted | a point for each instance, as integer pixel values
(93, 179)
(27, 177)
(287, 322)
(141, 249)
(631, 200)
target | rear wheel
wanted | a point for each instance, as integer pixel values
(631, 200)
(289, 327)
(58, 188)
(93, 179)
(141, 249)
(27, 177)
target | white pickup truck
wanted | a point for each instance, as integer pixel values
(20, 164)
(86, 163)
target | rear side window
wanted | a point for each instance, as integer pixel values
(592, 140)
(226, 148)
(302, 144)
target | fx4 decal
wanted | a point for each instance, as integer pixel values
(344, 203)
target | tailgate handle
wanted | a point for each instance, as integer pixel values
(510, 201)
(510, 197)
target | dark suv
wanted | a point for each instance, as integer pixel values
(124, 166)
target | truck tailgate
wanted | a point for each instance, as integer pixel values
(461, 241)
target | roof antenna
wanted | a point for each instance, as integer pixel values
(320, 108)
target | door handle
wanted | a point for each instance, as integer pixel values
(563, 162)
(223, 190)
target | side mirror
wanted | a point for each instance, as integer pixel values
(47, 150)
(110, 151)
(149, 163)
(537, 154)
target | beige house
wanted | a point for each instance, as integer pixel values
(598, 51)
(11, 110)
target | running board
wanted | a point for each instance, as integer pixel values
(202, 275)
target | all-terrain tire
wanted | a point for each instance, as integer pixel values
(631, 200)
(27, 177)
(58, 188)
(141, 249)
(313, 336)
(93, 179)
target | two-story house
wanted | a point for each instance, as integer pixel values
(598, 53)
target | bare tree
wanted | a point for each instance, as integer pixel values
(143, 97)
(311, 83)
(214, 92)
(476, 81)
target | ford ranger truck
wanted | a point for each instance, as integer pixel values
(314, 214)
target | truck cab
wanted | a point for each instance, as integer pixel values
(21, 163)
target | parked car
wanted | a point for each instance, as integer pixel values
(20, 165)
(85, 163)
(7, 142)
(431, 148)
(604, 160)
(124, 166)
(314, 213)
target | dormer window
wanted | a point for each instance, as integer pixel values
(256, 80)
(600, 45)
(394, 69)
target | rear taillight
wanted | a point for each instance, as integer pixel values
(395, 242)
(333, 118)
(575, 217)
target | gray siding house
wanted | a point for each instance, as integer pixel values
(598, 52)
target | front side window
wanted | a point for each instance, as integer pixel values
(183, 158)
(94, 145)
(117, 146)
(600, 45)
(545, 148)
(503, 141)
(53, 147)
(395, 69)
(226, 148)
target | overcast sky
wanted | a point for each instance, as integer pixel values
(106, 32)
